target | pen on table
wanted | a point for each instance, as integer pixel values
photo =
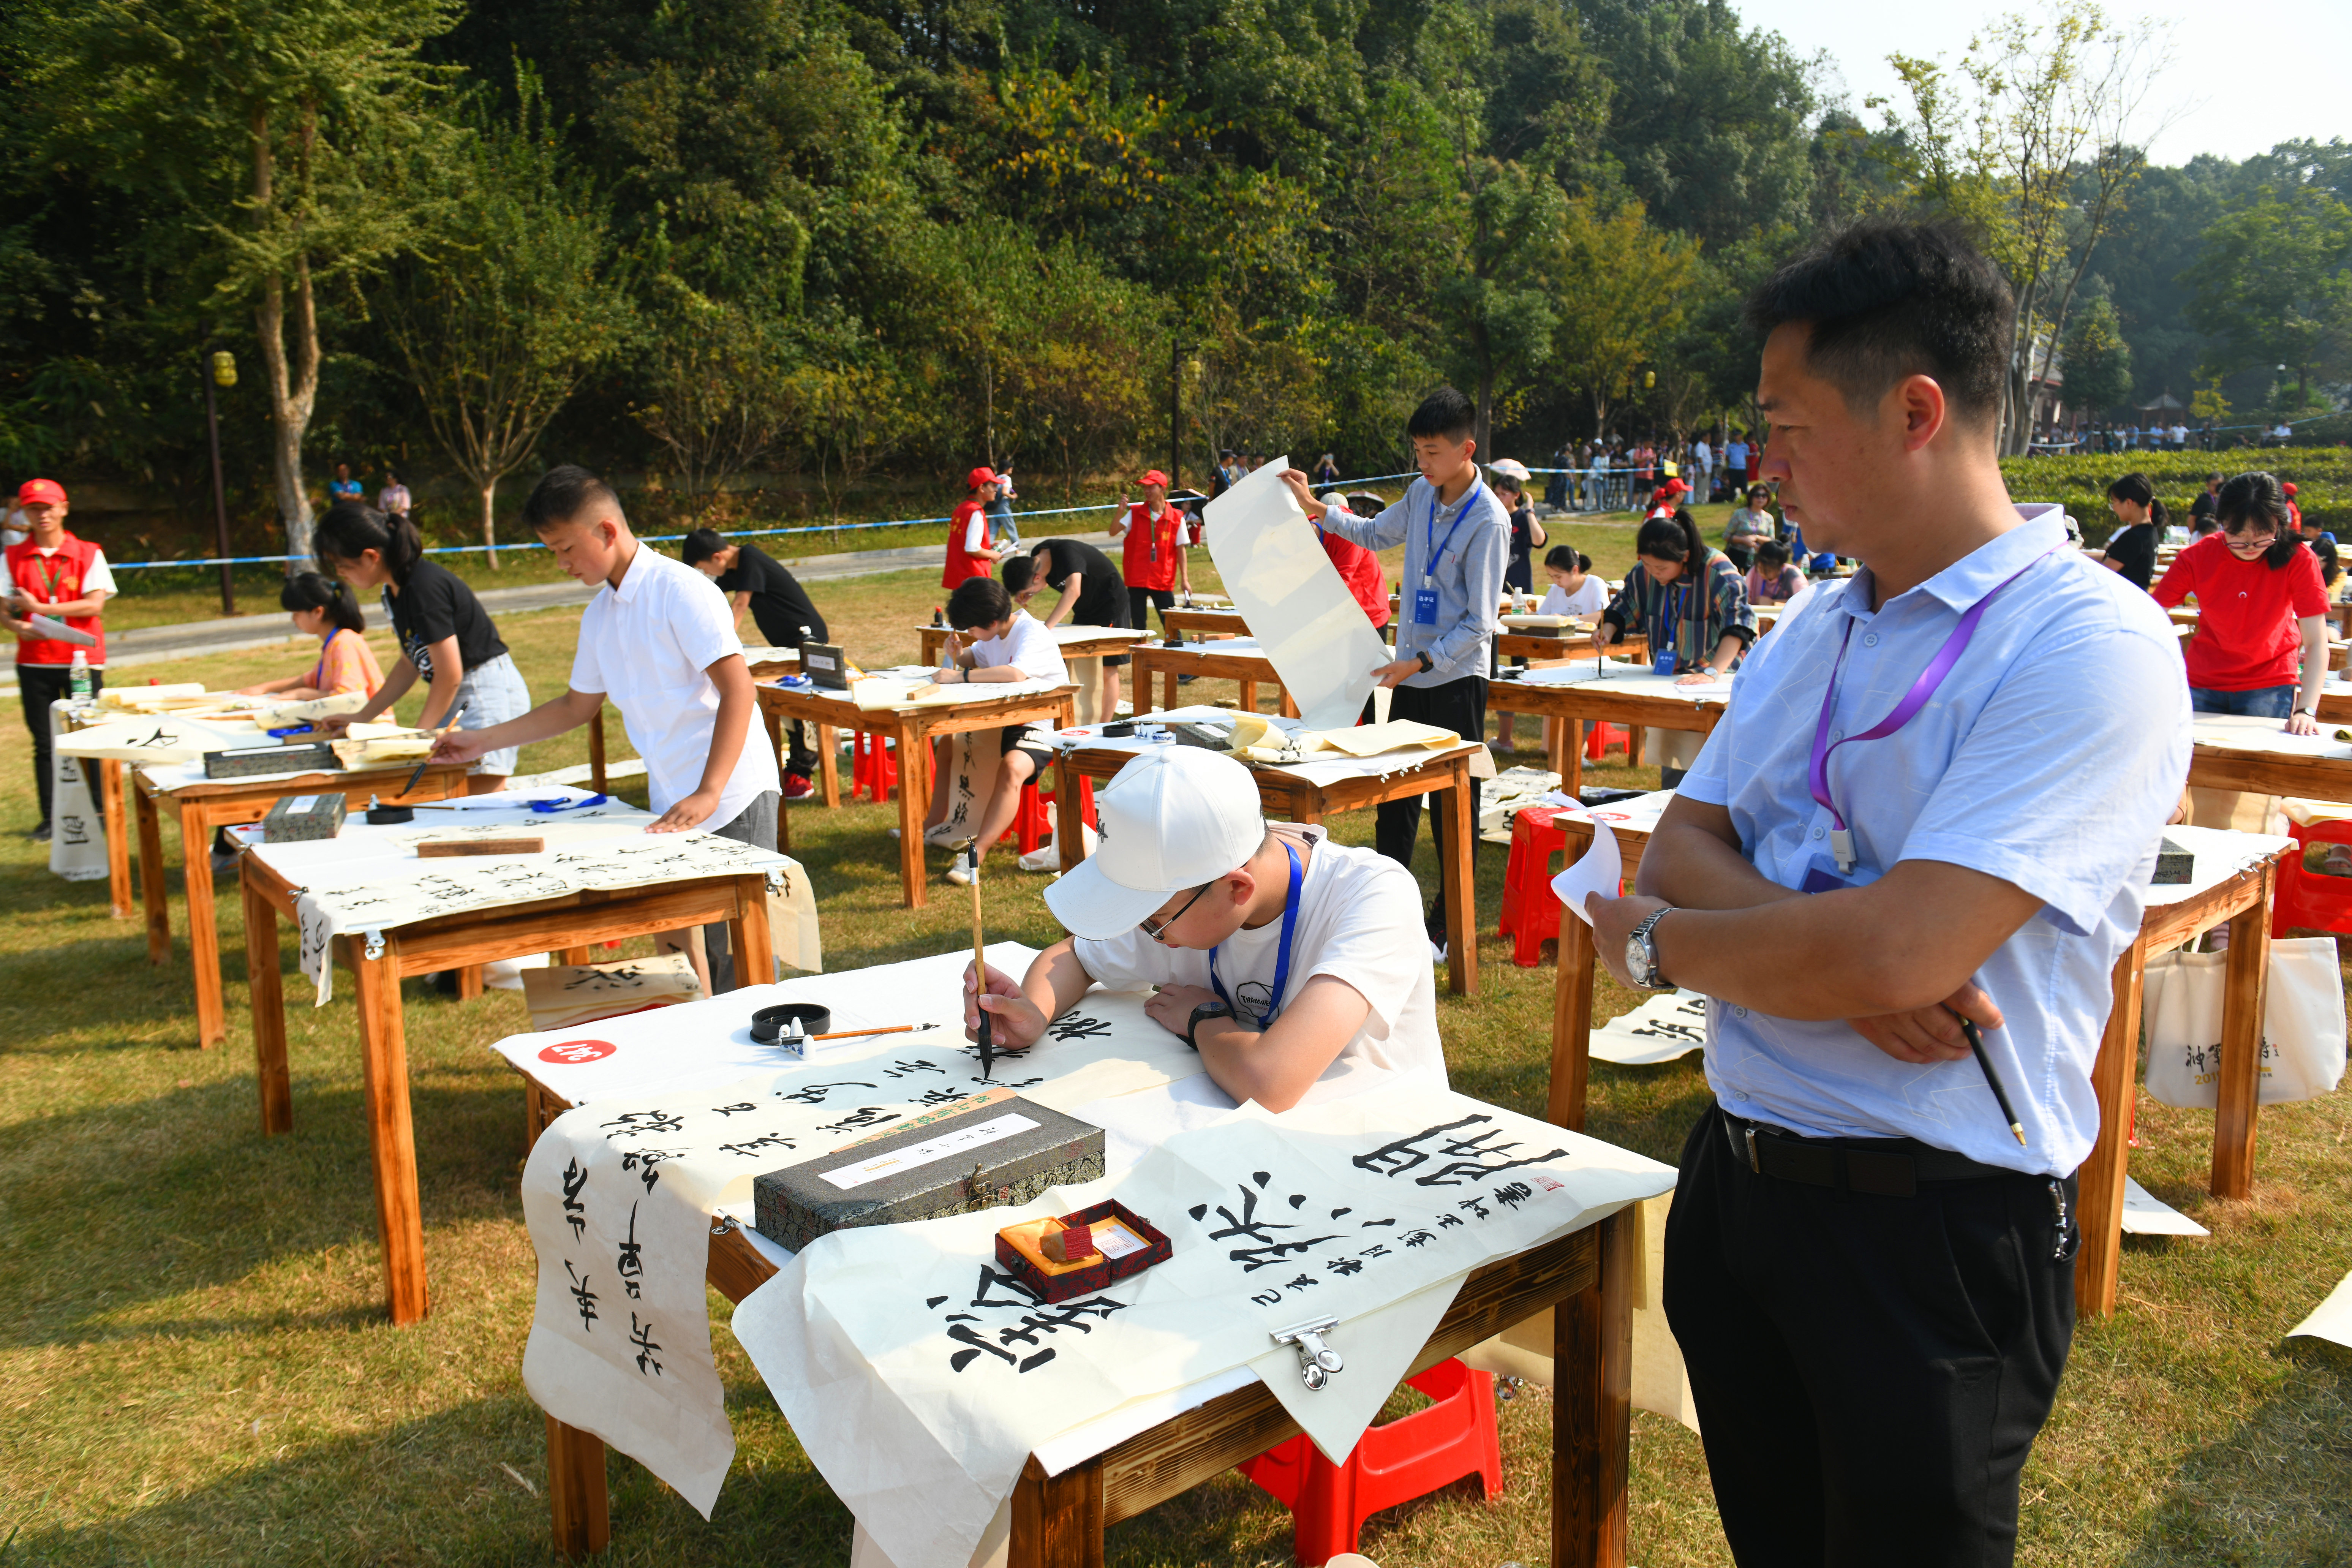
(1992, 1078)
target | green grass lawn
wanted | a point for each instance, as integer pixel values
(195, 1369)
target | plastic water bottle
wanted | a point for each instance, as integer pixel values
(79, 680)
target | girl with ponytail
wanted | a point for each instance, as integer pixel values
(1691, 602)
(2131, 549)
(445, 634)
(328, 611)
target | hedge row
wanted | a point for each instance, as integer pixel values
(2321, 477)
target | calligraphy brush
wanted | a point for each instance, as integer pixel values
(861, 1034)
(454, 714)
(987, 1040)
(1992, 1078)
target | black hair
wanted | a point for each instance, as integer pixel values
(350, 528)
(2254, 497)
(1445, 412)
(562, 493)
(2134, 488)
(309, 591)
(702, 544)
(1561, 558)
(1888, 300)
(1771, 553)
(978, 601)
(1760, 488)
(1674, 538)
(1018, 570)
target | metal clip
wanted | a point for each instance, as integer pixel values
(725, 1224)
(1316, 1361)
(374, 943)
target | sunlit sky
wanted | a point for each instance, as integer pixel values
(2244, 76)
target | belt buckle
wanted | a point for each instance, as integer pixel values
(1754, 1164)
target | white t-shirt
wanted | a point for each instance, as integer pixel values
(975, 533)
(1027, 647)
(1591, 598)
(1702, 454)
(649, 646)
(1359, 920)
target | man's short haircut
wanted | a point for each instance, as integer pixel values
(1019, 572)
(562, 493)
(1885, 300)
(701, 545)
(1445, 412)
(978, 601)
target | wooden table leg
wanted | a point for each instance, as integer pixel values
(1249, 695)
(2242, 1035)
(1592, 1407)
(914, 801)
(828, 740)
(1571, 1026)
(1633, 745)
(265, 993)
(204, 933)
(391, 1137)
(776, 735)
(118, 839)
(1570, 761)
(152, 891)
(1457, 876)
(578, 1506)
(1058, 1521)
(750, 940)
(1289, 708)
(596, 749)
(469, 982)
(1069, 816)
(2099, 1194)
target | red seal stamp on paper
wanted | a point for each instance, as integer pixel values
(572, 1053)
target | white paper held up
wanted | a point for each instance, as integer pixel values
(1313, 632)
(1598, 870)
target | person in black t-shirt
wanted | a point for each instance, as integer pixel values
(1093, 594)
(445, 634)
(2202, 519)
(2131, 547)
(2324, 546)
(780, 606)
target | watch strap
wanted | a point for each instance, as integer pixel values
(1651, 978)
(1205, 1010)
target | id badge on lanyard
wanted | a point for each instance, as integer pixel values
(1662, 657)
(1424, 602)
(1425, 599)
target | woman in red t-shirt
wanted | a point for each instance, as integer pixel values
(2261, 608)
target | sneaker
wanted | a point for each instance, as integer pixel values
(961, 877)
(1437, 952)
(39, 835)
(797, 787)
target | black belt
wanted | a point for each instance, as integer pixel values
(1888, 1167)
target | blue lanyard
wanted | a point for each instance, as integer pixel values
(1429, 561)
(1282, 955)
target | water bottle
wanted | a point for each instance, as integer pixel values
(83, 686)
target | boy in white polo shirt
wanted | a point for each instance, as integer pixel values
(658, 638)
(996, 641)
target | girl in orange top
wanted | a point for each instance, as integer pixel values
(325, 610)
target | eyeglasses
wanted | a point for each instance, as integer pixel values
(2245, 526)
(1158, 930)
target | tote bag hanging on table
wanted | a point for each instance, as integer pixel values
(2302, 1024)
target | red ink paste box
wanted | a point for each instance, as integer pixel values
(1124, 1243)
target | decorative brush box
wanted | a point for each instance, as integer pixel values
(252, 761)
(299, 818)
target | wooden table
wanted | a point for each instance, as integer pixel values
(1604, 700)
(1075, 642)
(1289, 798)
(1206, 623)
(2242, 902)
(1058, 1521)
(1251, 669)
(2272, 773)
(1540, 651)
(913, 729)
(570, 924)
(199, 808)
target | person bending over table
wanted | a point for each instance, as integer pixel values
(1871, 1281)
(2260, 605)
(755, 581)
(1691, 604)
(445, 634)
(658, 640)
(1009, 645)
(1291, 963)
(1091, 595)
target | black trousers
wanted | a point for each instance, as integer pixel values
(1459, 706)
(1870, 1371)
(40, 685)
(1139, 601)
(800, 749)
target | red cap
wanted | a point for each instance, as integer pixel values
(1154, 478)
(1674, 488)
(2288, 487)
(35, 492)
(979, 477)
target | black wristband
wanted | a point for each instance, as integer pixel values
(1427, 664)
(1205, 1010)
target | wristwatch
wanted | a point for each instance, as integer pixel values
(1218, 1009)
(1641, 953)
(1427, 664)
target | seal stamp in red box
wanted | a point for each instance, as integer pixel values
(1123, 1243)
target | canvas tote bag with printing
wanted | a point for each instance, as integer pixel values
(2302, 1024)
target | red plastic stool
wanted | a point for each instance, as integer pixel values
(1407, 1458)
(1598, 737)
(874, 772)
(1034, 819)
(1530, 911)
(2316, 900)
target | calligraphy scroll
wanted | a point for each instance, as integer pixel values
(76, 827)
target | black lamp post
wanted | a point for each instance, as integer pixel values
(220, 371)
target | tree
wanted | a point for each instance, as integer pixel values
(2096, 360)
(716, 378)
(2274, 286)
(1625, 288)
(287, 139)
(498, 321)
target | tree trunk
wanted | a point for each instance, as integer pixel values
(293, 391)
(491, 521)
(1485, 397)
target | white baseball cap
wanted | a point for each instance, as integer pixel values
(1171, 820)
(1510, 469)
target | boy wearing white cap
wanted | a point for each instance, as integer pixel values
(1296, 966)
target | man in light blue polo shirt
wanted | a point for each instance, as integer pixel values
(1938, 791)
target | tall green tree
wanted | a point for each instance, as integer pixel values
(2274, 286)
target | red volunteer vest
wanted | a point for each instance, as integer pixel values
(1150, 553)
(961, 562)
(56, 580)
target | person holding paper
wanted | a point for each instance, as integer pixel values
(1457, 545)
(1010, 645)
(1290, 963)
(1909, 814)
(53, 574)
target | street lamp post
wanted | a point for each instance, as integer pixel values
(220, 371)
